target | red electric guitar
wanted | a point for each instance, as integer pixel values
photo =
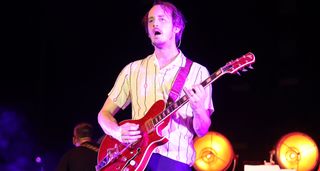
(115, 156)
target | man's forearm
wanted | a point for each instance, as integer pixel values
(109, 125)
(201, 122)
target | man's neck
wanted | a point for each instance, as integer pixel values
(83, 140)
(166, 55)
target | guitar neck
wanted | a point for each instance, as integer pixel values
(174, 106)
(231, 67)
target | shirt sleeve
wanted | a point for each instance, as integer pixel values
(120, 93)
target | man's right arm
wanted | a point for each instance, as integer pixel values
(107, 121)
(128, 132)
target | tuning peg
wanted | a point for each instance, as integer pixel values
(239, 73)
(250, 66)
(244, 70)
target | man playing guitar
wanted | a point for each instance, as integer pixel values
(142, 83)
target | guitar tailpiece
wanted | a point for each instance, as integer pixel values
(112, 154)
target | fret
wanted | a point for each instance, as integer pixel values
(181, 101)
(211, 78)
(170, 108)
(159, 117)
(175, 105)
(149, 124)
(184, 98)
(225, 68)
(163, 114)
(207, 81)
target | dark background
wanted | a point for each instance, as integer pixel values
(61, 58)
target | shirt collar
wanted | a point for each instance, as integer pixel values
(179, 61)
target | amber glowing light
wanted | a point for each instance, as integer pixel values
(213, 152)
(297, 151)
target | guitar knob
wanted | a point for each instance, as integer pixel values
(132, 162)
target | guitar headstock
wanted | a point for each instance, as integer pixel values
(239, 64)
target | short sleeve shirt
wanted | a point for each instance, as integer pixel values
(142, 83)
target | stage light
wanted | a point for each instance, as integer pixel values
(298, 151)
(214, 152)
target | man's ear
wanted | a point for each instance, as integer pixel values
(176, 29)
(74, 140)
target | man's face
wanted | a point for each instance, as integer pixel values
(160, 28)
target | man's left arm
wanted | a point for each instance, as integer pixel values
(201, 114)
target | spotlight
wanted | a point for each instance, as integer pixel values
(297, 150)
(213, 152)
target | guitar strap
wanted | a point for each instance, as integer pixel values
(89, 146)
(179, 81)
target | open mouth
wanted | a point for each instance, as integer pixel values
(156, 33)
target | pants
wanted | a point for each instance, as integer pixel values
(158, 162)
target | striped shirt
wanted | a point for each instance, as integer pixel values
(142, 83)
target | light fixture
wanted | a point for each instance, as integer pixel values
(214, 152)
(298, 151)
